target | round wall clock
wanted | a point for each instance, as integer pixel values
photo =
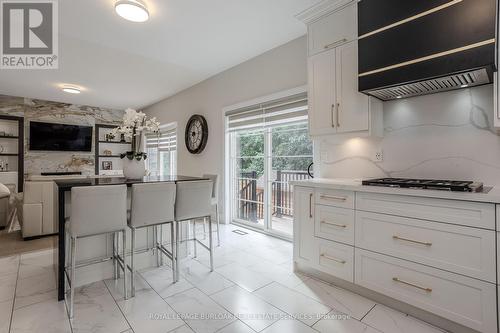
(196, 135)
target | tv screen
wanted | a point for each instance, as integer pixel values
(60, 137)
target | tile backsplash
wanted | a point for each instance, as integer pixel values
(447, 136)
(54, 112)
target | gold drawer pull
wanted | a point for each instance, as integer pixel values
(412, 241)
(340, 261)
(331, 197)
(343, 40)
(429, 290)
(335, 224)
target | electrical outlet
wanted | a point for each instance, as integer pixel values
(379, 156)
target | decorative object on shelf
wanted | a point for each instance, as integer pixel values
(1, 149)
(122, 138)
(107, 165)
(196, 135)
(134, 124)
(107, 152)
(109, 137)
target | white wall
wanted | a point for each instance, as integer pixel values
(447, 135)
(280, 69)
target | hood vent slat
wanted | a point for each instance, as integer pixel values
(472, 78)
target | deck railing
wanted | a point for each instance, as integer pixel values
(251, 204)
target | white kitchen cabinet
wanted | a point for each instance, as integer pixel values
(303, 226)
(353, 110)
(435, 254)
(464, 300)
(322, 93)
(336, 107)
(334, 29)
(335, 104)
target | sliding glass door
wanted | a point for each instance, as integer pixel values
(268, 147)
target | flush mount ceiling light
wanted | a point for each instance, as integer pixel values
(132, 10)
(71, 89)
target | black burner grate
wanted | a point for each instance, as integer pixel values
(428, 184)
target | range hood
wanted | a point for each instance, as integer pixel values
(414, 47)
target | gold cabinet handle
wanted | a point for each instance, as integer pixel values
(429, 290)
(335, 224)
(331, 197)
(411, 240)
(310, 205)
(338, 111)
(340, 261)
(332, 114)
(343, 40)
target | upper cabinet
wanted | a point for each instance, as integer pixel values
(333, 30)
(335, 104)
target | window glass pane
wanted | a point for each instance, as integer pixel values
(249, 144)
(151, 161)
(164, 167)
(291, 141)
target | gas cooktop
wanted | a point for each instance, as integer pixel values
(427, 184)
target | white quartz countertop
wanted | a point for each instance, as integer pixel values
(493, 196)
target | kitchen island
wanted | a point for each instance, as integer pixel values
(64, 190)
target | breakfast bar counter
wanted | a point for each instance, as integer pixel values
(64, 188)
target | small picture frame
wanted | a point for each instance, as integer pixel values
(107, 165)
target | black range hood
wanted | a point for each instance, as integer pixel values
(413, 47)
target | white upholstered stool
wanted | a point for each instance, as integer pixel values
(153, 205)
(193, 201)
(215, 200)
(97, 210)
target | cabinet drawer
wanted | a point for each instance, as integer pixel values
(333, 30)
(467, 301)
(463, 250)
(336, 259)
(337, 198)
(473, 214)
(334, 223)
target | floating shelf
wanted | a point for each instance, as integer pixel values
(6, 154)
(109, 156)
(8, 137)
(115, 142)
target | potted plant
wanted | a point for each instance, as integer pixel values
(133, 126)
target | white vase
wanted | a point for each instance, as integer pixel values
(134, 169)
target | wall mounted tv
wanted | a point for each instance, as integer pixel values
(59, 137)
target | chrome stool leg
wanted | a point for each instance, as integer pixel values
(194, 237)
(72, 285)
(210, 244)
(132, 267)
(174, 254)
(118, 271)
(160, 227)
(115, 267)
(124, 254)
(218, 224)
(177, 237)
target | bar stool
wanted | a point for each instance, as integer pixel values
(153, 205)
(215, 200)
(97, 210)
(193, 201)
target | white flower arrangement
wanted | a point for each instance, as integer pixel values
(133, 126)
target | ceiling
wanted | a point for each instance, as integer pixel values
(122, 64)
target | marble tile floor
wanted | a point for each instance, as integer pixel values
(248, 292)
